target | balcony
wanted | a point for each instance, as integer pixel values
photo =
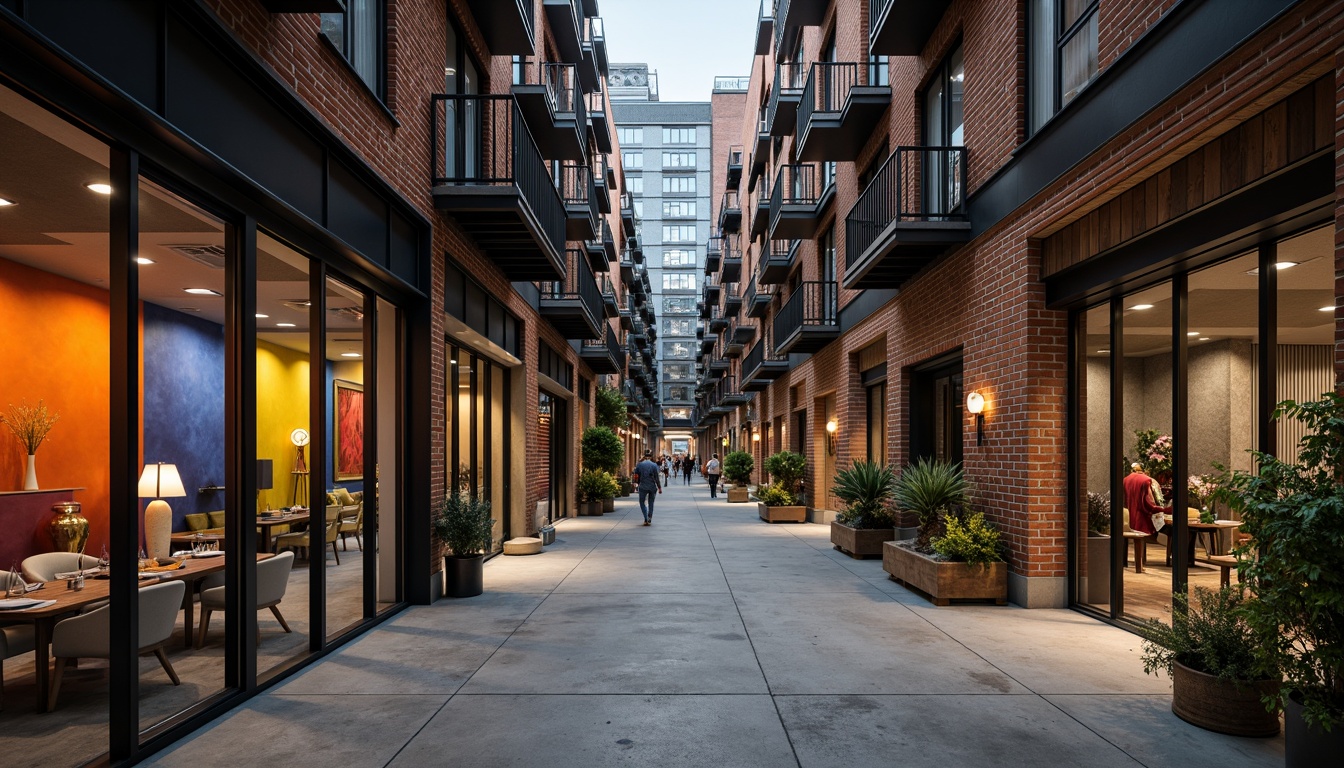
(597, 118)
(707, 344)
(741, 331)
(603, 355)
(732, 299)
(785, 93)
(563, 17)
(506, 25)
(912, 212)
(628, 218)
(903, 27)
(765, 29)
(713, 254)
(600, 187)
(810, 319)
(580, 196)
(598, 36)
(734, 166)
(732, 262)
(555, 112)
(838, 111)
(611, 306)
(732, 348)
(597, 256)
(730, 394)
(730, 212)
(718, 363)
(761, 366)
(590, 71)
(573, 305)
(489, 174)
(758, 299)
(711, 293)
(778, 262)
(628, 314)
(760, 219)
(718, 322)
(627, 267)
(795, 202)
(607, 239)
(760, 152)
(792, 15)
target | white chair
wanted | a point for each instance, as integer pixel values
(13, 640)
(272, 581)
(87, 636)
(45, 566)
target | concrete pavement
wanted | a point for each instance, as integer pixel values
(713, 639)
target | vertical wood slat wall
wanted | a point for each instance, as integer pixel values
(1306, 371)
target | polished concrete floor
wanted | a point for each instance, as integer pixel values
(713, 639)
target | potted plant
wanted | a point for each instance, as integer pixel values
(777, 505)
(954, 557)
(464, 526)
(1218, 680)
(1293, 562)
(608, 491)
(1098, 548)
(860, 529)
(592, 485)
(737, 467)
(601, 450)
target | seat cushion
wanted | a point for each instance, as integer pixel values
(197, 522)
(525, 545)
(343, 497)
(216, 518)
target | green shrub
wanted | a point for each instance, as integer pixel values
(1099, 513)
(464, 525)
(1208, 634)
(601, 449)
(932, 489)
(611, 409)
(775, 496)
(867, 487)
(970, 541)
(737, 467)
(786, 468)
(596, 485)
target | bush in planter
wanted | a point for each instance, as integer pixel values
(596, 485)
(1098, 514)
(786, 467)
(1294, 561)
(611, 409)
(600, 448)
(867, 487)
(737, 467)
(464, 525)
(971, 541)
(932, 489)
(775, 496)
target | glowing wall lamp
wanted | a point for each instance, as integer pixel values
(831, 427)
(975, 403)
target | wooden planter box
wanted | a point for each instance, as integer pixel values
(860, 543)
(738, 495)
(944, 582)
(608, 506)
(782, 514)
(1223, 707)
(590, 509)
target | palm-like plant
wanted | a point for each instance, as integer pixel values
(930, 488)
(867, 487)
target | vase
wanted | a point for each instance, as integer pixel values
(69, 529)
(30, 477)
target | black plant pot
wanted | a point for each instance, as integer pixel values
(463, 575)
(1308, 747)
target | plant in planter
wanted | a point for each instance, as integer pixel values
(931, 489)
(592, 487)
(1219, 681)
(1098, 548)
(780, 502)
(860, 529)
(737, 467)
(464, 525)
(602, 450)
(1294, 564)
(787, 467)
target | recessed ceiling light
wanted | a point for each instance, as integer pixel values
(261, 316)
(350, 354)
(1284, 264)
(1203, 338)
(284, 325)
(202, 292)
(100, 188)
(1103, 351)
(6, 203)
(143, 260)
(1192, 333)
(1142, 306)
(1328, 309)
(453, 362)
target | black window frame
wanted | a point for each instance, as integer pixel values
(1061, 38)
(379, 87)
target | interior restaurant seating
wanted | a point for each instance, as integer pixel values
(272, 581)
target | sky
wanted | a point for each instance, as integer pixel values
(687, 41)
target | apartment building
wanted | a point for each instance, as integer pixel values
(1030, 238)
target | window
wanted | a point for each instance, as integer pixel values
(678, 281)
(944, 126)
(679, 327)
(676, 413)
(679, 306)
(678, 135)
(678, 233)
(677, 392)
(936, 413)
(632, 159)
(678, 159)
(875, 400)
(677, 372)
(679, 257)
(358, 35)
(677, 350)
(635, 184)
(879, 73)
(679, 209)
(679, 184)
(628, 136)
(1062, 55)
(639, 208)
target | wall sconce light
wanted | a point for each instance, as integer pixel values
(831, 427)
(756, 437)
(975, 403)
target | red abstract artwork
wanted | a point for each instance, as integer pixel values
(347, 440)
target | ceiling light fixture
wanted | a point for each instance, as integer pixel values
(6, 203)
(1141, 307)
(1203, 338)
(261, 316)
(1103, 351)
(1281, 265)
(350, 354)
(284, 325)
(1328, 309)
(100, 188)
(143, 260)
(202, 292)
(1192, 333)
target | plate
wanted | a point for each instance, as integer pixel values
(215, 553)
(17, 603)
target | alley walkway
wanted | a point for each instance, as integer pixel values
(713, 639)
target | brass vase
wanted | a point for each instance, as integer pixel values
(69, 529)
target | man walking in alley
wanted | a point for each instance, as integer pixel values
(646, 478)
(686, 466)
(712, 475)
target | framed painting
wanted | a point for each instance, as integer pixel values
(347, 431)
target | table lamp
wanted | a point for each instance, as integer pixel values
(158, 482)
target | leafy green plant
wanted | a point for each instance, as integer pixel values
(868, 488)
(774, 495)
(972, 540)
(787, 467)
(600, 448)
(596, 485)
(1294, 561)
(737, 467)
(611, 410)
(1099, 514)
(931, 489)
(1209, 634)
(464, 525)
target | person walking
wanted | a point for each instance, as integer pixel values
(712, 468)
(646, 479)
(687, 466)
(667, 469)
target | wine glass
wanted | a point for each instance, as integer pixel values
(144, 561)
(17, 586)
(103, 559)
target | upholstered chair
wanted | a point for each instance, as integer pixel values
(272, 581)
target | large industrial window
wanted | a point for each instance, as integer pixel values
(679, 233)
(632, 159)
(678, 281)
(678, 159)
(679, 257)
(678, 135)
(627, 136)
(358, 36)
(679, 184)
(1062, 55)
(679, 209)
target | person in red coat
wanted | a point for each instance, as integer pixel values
(1141, 499)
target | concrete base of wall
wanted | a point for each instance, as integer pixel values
(822, 516)
(1038, 592)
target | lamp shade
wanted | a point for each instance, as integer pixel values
(265, 474)
(161, 481)
(975, 402)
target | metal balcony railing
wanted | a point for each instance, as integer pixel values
(562, 89)
(760, 353)
(814, 305)
(578, 283)
(577, 188)
(828, 85)
(788, 82)
(914, 184)
(796, 184)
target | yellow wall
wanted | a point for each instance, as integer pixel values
(282, 407)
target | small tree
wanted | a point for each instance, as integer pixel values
(737, 467)
(611, 410)
(787, 468)
(601, 449)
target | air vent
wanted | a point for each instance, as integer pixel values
(351, 312)
(298, 305)
(211, 256)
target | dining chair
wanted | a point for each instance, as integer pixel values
(87, 635)
(14, 640)
(272, 581)
(45, 566)
(303, 539)
(353, 525)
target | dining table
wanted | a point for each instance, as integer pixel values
(96, 589)
(1211, 532)
(266, 526)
